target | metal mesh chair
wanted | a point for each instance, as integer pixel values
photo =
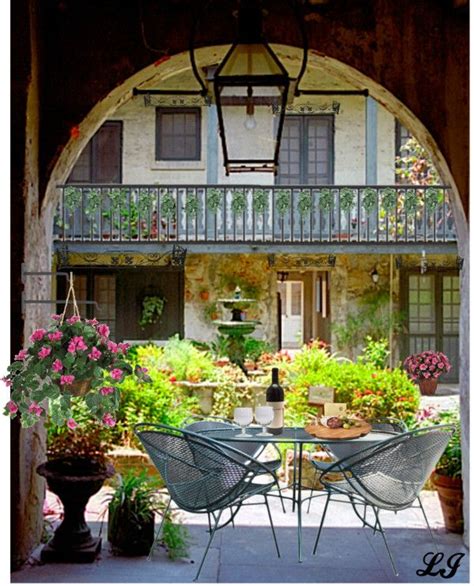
(388, 425)
(202, 475)
(389, 475)
(252, 449)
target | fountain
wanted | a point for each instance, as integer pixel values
(236, 328)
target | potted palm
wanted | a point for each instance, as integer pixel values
(72, 357)
(425, 368)
(132, 508)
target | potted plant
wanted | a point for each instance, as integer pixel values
(72, 357)
(152, 309)
(132, 508)
(75, 470)
(447, 477)
(425, 368)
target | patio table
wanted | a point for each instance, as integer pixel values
(298, 437)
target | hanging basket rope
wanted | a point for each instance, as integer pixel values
(70, 298)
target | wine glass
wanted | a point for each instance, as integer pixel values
(243, 416)
(264, 416)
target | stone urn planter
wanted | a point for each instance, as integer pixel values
(451, 500)
(74, 481)
(428, 386)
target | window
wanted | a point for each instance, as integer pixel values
(101, 160)
(307, 150)
(178, 134)
(402, 135)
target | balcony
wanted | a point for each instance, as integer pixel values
(213, 217)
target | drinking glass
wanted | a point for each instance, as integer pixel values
(264, 416)
(243, 416)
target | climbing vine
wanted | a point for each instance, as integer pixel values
(152, 309)
(282, 202)
(325, 200)
(305, 202)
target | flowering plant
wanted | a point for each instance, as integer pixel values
(427, 365)
(69, 354)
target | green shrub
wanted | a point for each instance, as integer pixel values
(375, 352)
(254, 348)
(370, 391)
(159, 401)
(188, 362)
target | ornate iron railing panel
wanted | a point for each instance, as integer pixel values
(250, 213)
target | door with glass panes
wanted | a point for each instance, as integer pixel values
(431, 302)
(291, 295)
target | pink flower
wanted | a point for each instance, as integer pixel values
(92, 322)
(56, 316)
(67, 379)
(108, 420)
(423, 367)
(123, 346)
(57, 365)
(77, 343)
(103, 330)
(106, 391)
(35, 408)
(7, 381)
(12, 407)
(426, 374)
(22, 354)
(44, 352)
(95, 354)
(71, 423)
(116, 374)
(55, 336)
(74, 319)
(112, 346)
(37, 335)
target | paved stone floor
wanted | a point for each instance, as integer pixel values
(246, 554)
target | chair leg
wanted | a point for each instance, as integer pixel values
(281, 496)
(157, 534)
(211, 537)
(392, 561)
(321, 523)
(312, 490)
(271, 525)
(428, 525)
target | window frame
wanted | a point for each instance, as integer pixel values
(303, 120)
(158, 124)
(93, 154)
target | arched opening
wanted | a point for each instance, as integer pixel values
(177, 67)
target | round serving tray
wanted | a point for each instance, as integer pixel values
(323, 432)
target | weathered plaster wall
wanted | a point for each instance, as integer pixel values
(139, 124)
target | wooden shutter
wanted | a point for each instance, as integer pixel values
(107, 154)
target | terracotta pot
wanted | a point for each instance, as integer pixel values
(451, 499)
(204, 295)
(78, 388)
(428, 386)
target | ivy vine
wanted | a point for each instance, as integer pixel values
(282, 202)
(369, 198)
(238, 201)
(433, 197)
(118, 199)
(260, 200)
(145, 201)
(152, 309)
(191, 206)
(389, 198)
(168, 206)
(214, 199)
(325, 200)
(305, 202)
(411, 201)
(72, 197)
(346, 199)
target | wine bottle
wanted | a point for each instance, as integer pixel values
(275, 399)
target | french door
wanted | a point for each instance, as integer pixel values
(291, 295)
(432, 303)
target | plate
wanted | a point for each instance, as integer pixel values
(323, 432)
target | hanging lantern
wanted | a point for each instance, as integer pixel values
(251, 92)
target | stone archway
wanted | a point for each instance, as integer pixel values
(38, 242)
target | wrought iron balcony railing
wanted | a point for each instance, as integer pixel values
(250, 213)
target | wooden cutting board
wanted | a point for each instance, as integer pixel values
(324, 432)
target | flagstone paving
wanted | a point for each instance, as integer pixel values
(347, 553)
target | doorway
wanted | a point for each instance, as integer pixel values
(292, 313)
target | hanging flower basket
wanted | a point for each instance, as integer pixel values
(73, 357)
